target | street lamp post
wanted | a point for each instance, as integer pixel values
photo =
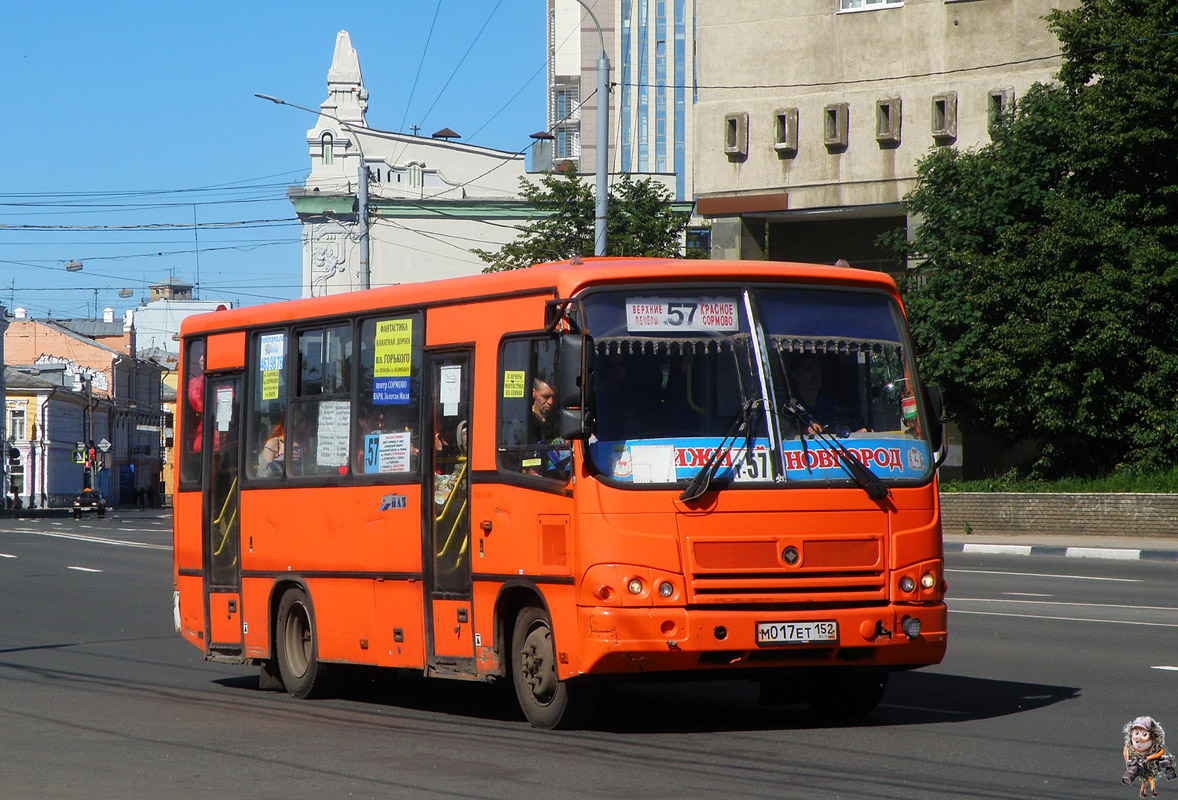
(599, 222)
(361, 185)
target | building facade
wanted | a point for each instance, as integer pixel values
(97, 360)
(812, 114)
(46, 420)
(651, 50)
(431, 200)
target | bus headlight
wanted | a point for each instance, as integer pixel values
(928, 580)
(907, 584)
(634, 586)
(666, 589)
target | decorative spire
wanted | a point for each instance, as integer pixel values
(346, 96)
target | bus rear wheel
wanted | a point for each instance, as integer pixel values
(546, 701)
(297, 646)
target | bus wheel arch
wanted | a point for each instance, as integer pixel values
(296, 643)
(512, 598)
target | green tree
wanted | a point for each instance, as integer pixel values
(640, 222)
(1047, 299)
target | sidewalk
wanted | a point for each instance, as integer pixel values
(1072, 545)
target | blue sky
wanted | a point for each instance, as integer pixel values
(143, 113)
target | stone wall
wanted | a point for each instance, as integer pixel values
(1104, 514)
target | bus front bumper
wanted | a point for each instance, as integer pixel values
(638, 640)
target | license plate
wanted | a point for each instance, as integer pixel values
(774, 633)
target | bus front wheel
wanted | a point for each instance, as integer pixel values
(303, 675)
(547, 701)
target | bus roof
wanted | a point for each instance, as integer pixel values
(560, 278)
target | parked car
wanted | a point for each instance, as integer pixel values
(87, 501)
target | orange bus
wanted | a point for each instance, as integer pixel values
(556, 476)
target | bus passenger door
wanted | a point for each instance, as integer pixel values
(221, 519)
(447, 526)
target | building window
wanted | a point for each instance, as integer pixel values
(835, 124)
(785, 132)
(17, 430)
(736, 135)
(999, 105)
(328, 152)
(945, 117)
(887, 121)
(867, 5)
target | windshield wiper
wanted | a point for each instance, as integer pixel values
(699, 484)
(870, 482)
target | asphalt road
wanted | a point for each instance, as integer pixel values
(1048, 658)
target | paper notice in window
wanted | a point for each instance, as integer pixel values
(332, 442)
(653, 463)
(450, 389)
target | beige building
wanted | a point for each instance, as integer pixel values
(812, 114)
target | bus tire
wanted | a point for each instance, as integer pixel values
(297, 647)
(546, 701)
(848, 694)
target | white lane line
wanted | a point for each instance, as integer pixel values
(85, 569)
(1061, 603)
(1166, 667)
(1044, 575)
(1064, 619)
(6, 555)
(1027, 594)
(99, 540)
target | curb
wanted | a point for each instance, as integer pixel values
(1122, 554)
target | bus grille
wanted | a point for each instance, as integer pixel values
(841, 572)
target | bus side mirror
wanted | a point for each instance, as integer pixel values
(574, 371)
(574, 376)
(934, 402)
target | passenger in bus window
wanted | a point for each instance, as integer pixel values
(196, 393)
(273, 454)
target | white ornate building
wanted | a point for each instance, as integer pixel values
(431, 200)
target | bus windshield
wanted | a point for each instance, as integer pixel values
(789, 383)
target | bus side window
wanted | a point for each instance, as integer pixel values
(317, 442)
(528, 442)
(193, 412)
(388, 405)
(266, 414)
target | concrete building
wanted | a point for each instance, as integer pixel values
(98, 357)
(651, 49)
(431, 200)
(812, 114)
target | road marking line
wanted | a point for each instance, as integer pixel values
(1062, 603)
(1028, 594)
(85, 569)
(1166, 667)
(1065, 619)
(98, 540)
(6, 555)
(1044, 575)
